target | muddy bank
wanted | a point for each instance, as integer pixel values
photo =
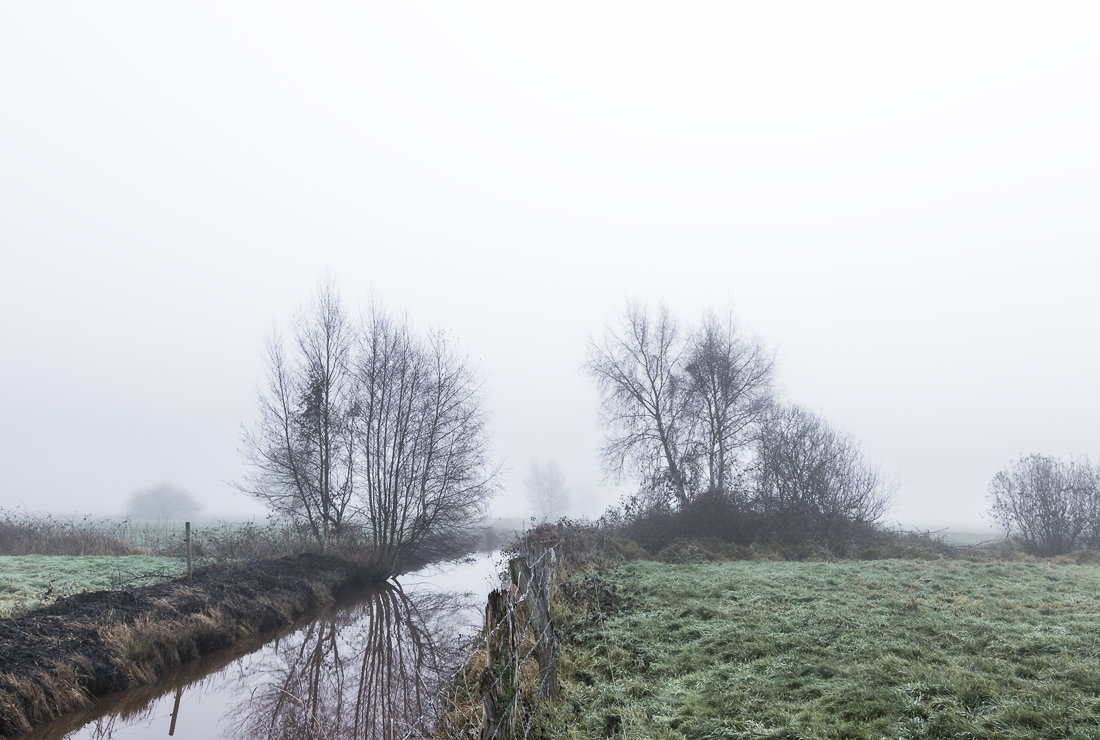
(54, 659)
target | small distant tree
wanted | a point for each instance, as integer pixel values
(163, 502)
(1052, 505)
(546, 490)
(805, 467)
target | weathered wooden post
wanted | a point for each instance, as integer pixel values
(536, 584)
(187, 539)
(497, 610)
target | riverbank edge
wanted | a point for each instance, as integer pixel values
(56, 659)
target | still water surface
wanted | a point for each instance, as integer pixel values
(359, 669)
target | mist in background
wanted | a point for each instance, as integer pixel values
(900, 201)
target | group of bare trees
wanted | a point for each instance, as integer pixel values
(1052, 505)
(370, 430)
(679, 405)
(692, 412)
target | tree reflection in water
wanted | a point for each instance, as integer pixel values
(355, 672)
(361, 673)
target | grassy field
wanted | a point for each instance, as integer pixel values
(887, 649)
(29, 581)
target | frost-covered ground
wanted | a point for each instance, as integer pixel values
(30, 581)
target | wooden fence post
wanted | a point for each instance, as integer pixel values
(187, 539)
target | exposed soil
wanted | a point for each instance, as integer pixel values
(54, 659)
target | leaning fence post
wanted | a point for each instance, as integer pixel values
(175, 711)
(187, 539)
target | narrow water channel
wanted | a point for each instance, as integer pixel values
(366, 668)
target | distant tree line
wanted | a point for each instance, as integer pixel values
(693, 417)
(370, 432)
(1052, 506)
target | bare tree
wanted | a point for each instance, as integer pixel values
(637, 366)
(301, 450)
(729, 381)
(424, 465)
(1051, 504)
(546, 490)
(805, 467)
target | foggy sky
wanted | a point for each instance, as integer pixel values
(901, 201)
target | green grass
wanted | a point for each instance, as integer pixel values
(30, 581)
(888, 649)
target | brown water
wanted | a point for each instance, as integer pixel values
(368, 665)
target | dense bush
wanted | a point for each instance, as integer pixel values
(1052, 506)
(716, 525)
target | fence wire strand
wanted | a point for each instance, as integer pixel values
(472, 699)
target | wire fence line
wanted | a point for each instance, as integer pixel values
(511, 670)
(121, 578)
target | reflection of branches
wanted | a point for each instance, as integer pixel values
(356, 674)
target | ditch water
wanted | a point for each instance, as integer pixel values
(366, 668)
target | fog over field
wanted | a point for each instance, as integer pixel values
(900, 201)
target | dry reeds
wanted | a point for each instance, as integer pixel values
(27, 533)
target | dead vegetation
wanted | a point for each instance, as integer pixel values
(28, 533)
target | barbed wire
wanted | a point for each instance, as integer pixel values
(470, 723)
(539, 579)
(447, 684)
(121, 578)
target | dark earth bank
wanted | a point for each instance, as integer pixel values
(54, 659)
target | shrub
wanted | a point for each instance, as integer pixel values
(1051, 505)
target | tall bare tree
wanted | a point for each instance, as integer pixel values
(425, 469)
(729, 383)
(805, 467)
(301, 450)
(637, 366)
(546, 490)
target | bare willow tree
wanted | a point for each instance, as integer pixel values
(546, 490)
(301, 449)
(425, 474)
(637, 366)
(1053, 505)
(805, 467)
(729, 380)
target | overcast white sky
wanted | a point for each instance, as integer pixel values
(900, 198)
